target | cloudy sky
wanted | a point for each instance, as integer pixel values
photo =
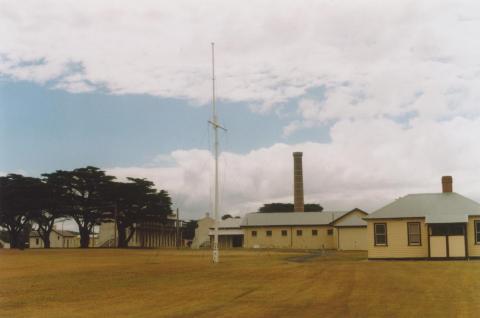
(382, 97)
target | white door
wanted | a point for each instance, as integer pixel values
(438, 246)
(456, 246)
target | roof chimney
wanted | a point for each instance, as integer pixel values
(447, 184)
(297, 182)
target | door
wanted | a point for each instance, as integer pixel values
(438, 246)
(447, 240)
(237, 241)
(456, 246)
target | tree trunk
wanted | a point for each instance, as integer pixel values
(45, 236)
(122, 235)
(130, 235)
(13, 239)
(84, 237)
(46, 240)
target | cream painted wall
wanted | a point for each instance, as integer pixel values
(397, 240)
(352, 238)
(473, 249)
(56, 241)
(306, 241)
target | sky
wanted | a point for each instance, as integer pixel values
(381, 97)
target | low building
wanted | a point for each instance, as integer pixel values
(230, 234)
(430, 225)
(58, 239)
(146, 235)
(351, 233)
(201, 238)
(305, 230)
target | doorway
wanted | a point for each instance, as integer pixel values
(447, 240)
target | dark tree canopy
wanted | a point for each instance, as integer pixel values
(53, 208)
(21, 198)
(227, 216)
(86, 195)
(135, 202)
(288, 207)
(83, 197)
(189, 231)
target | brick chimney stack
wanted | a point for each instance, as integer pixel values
(447, 182)
(298, 182)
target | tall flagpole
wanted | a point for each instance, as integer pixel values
(214, 123)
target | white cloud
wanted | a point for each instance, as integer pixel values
(374, 57)
(368, 163)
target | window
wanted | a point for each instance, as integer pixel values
(36, 241)
(299, 233)
(477, 232)
(446, 229)
(329, 232)
(414, 233)
(380, 233)
(269, 233)
(58, 237)
(314, 232)
(254, 233)
(284, 232)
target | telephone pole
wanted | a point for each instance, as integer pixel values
(177, 237)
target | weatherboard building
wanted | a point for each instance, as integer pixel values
(343, 230)
(442, 225)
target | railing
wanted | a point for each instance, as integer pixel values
(107, 243)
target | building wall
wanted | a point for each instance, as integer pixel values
(397, 240)
(306, 241)
(201, 232)
(224, 241)
(352, 238)
(56, 241)
(473, 249)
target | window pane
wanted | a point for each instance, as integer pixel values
(456, 229)
(414, 228)
(439, 230)
(380, 239)
(380, 234)
(380, 228)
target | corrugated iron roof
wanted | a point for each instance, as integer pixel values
(446, 218)
(351, 221)
(449, 205)
(291, 218)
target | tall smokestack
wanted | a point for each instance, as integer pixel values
(447, 182)
(297, 182)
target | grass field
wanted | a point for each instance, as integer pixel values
(169, 283)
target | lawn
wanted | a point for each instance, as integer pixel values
(170, 283)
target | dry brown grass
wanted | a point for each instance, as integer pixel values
(169, 283)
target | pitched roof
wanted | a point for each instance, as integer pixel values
(291, 218)
(445, 206)
(354, 221)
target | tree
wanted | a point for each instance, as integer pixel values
(189, 232)
(136, 201)
(83, 193)
(288, 207)
(53, 207)
(226, 216)
(20, 200)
